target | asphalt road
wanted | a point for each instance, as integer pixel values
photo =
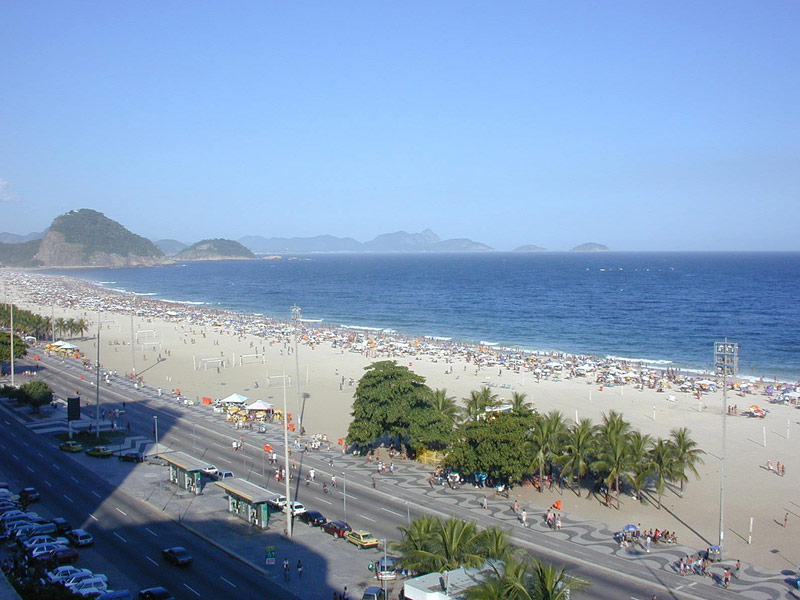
(379, 510)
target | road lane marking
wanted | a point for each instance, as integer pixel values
(12, 434)
(368, 519)
(120, 510)
(56, 467)
(40, 455)
(226, 581)
(47, 483)
(29, 469)
(95, 518)
(151, 560)
(191, 590)
(15, 457)
(225, 459)
(95, 493)
(120, 537)
(393, 512)
(73, 479)
(69, 499)
(151, 532)
(325, 501)
(25, 444)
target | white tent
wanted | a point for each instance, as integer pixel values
(261, 405)
(235, 399)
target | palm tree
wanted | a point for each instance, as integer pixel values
(512, 581)
(545, 443)
(81, 325)
(477, 403)
(612, 458)
(614, 423)
(61, 326)
(578, 447)
(519, 403)
(416, 542)
(444, 405)
(639, 467)
(687, 454)
(664, 466)
(552, 583)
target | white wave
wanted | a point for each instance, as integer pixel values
(106, 282)
(647, 361)
(183, 302)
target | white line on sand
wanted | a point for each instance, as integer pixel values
(151, 560)
(226, 581)
(191, 590)
(120, 537)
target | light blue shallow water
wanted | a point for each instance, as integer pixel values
(657, 306)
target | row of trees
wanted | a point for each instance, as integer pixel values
(393, 404)
(40, 327)
(433, 545)
(33, 393)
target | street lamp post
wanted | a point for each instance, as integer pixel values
(726, 359)
(344, 494)
(296, 318)
(155, 430)
(286, 459)
(97, 378)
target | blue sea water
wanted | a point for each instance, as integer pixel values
(665, 306)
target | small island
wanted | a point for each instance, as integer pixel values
(590, 247)
(216, 249)
(529, 248)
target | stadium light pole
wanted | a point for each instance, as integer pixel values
(726, 358)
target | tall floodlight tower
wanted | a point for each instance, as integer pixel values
(726, 361)
(296, 319)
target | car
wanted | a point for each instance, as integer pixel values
(155, 593)
(81, 577)
(115, 595)
(177, 555)
(80, 538)
(29, 495)
(219, 475)
(12, 514)
(99, 452)
(385, 569)
(209, 470)
(297, 508)
(91, 586)
(42, 539)
(71, 446)
(134, 457)
(373, 593)
(62, 525)
(60, 556)
(278, 501)
(41, 549)
(312, 517)
(337, 529)
(362, 539)
(60, 574)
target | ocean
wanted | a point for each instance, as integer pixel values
(665, 308)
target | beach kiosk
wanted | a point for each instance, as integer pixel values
(247, 501)
(184, 470)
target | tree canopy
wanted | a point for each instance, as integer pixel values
(5, 346)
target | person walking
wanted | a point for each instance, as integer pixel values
(786, 520)
(286, 569)
(299, 569)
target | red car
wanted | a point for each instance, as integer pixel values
(336, 528)
(60, 556)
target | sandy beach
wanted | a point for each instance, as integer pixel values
(214, 354)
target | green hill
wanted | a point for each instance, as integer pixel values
(86, 237)
(216, 249)
(20, 255)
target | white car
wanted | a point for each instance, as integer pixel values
(81, 577)
(64, 572)
(90, 586)
(45, 539)
(210, 470)
(35, 551)
(297, 508)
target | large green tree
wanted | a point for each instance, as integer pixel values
(492, 446)
(36, 394)
(393, 403)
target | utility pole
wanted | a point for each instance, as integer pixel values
(296, 318)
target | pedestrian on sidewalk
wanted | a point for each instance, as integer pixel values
(484, 503)
(286, 569)
(299, 569)
(786, 520)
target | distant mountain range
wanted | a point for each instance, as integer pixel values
(399, 241)
(87, 238)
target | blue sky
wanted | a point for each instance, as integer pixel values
(640, 125)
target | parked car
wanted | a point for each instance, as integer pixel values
(210, 471)
(29, 495)
(298, 508)
(115, 595)
(134, 457)
(312, 517)
(385, 569)
(44, 529)
(177, 555)
(37, 540)
(155, 593)
(337, 529)
(41, 549)
(60, 574)
(100, 452)
(373, 593)
(91, 586)
(362, 539)
(71, 446)
(80, 538)
(71, 582)
(219, 475)
(62, 525)
(60, 556)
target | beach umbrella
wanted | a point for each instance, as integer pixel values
(261, 405)
(630, 527)
(235, 399)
